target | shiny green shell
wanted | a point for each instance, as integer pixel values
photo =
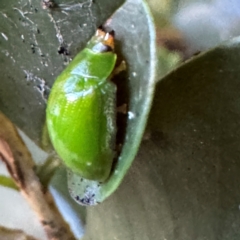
(81, 111)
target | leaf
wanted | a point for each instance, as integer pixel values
(135, 37)
(30, 42)
(184, 183)
(7, 182)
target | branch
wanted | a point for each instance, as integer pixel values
(13, 234)
(21, 167)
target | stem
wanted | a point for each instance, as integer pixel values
(20, 165)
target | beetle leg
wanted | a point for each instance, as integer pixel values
(120, 68)
(122, 109)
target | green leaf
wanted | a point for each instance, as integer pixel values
(7, 182)
(184, 183)
(135, 37)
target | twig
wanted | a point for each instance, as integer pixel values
(13, 234)
(21, 167)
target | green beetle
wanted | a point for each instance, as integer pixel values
(81, 110)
